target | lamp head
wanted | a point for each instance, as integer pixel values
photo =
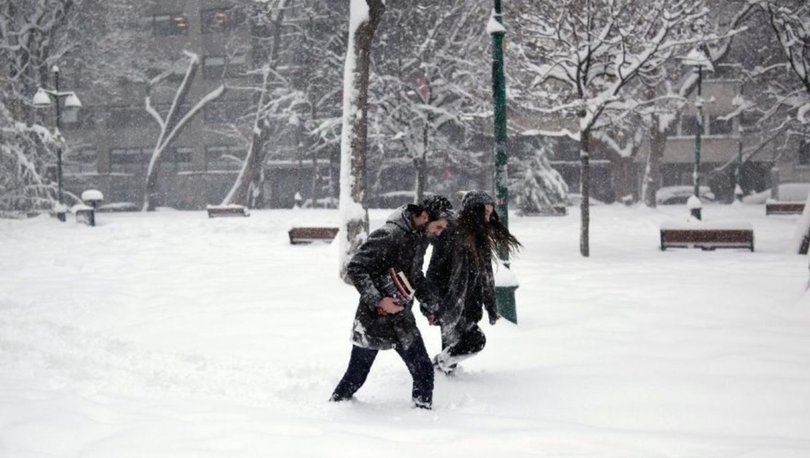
(72, 101)
(41, 98)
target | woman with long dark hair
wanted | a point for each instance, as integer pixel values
(461, 270)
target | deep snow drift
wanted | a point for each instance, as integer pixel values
(169, 334)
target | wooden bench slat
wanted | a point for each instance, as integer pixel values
(234, 210)
(784, 208)
(707, 239)
(301, 235)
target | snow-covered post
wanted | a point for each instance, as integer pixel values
(363, 19)
(505, 293)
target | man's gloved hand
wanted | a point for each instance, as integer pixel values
(388, 306)
(493, 318)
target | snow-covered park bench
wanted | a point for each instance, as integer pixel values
(556, 210)
(301, 235)
(707, 236)
(216, 211)
(784, 208)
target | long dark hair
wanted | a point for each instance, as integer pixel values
(481, 239)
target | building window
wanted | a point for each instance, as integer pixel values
(130, 160)
(169, 24)
(81, 162)
(222, 112)
(224, 158)
(217, 20)
(719, 127)
(804, 152)
(748, 120)
(121, 117)
(213, 67)
(175, 160)
(237, 65)
(689, 125)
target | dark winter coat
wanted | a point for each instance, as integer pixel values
(399, 245)
(464, 288)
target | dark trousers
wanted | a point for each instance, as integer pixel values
(469, 343)
(415, 357)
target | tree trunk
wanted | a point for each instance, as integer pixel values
(585, 189)
(172, 118)
(801, 239)
(624, 179)
(421, 175)
(652, 172)
(248, 188)
(250, 177)
(354, 141)
(172, 126)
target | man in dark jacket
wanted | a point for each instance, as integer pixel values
(384, 319)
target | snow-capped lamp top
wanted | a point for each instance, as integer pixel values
(697, 58)
(92, 195)
(493, 26)
(693, 203)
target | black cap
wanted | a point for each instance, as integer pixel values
(473, 198)
(438, 207)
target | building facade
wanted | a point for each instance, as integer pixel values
(111, 139)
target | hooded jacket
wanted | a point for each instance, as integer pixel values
(464, 288)
(398, 245)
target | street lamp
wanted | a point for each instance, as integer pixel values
(42, 99)
(505, 285)
(697, 58)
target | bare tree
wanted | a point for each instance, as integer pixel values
(363, 20)
(672, 87)
(790, 21)
(428, 97)
(583, 55)
(173, 123)
(247, 188)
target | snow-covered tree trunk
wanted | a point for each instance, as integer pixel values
(585, 190)
(173, 124)
(624, 179)
(250, 174)
(801, 238)
(363, 20)
(652, 172)
(421, 162)
(247, 188)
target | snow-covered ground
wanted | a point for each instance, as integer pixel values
(170, 334)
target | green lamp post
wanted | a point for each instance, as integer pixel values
(697, 59)
(43, 99)
(505, 285)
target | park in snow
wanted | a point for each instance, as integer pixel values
(171, 334)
